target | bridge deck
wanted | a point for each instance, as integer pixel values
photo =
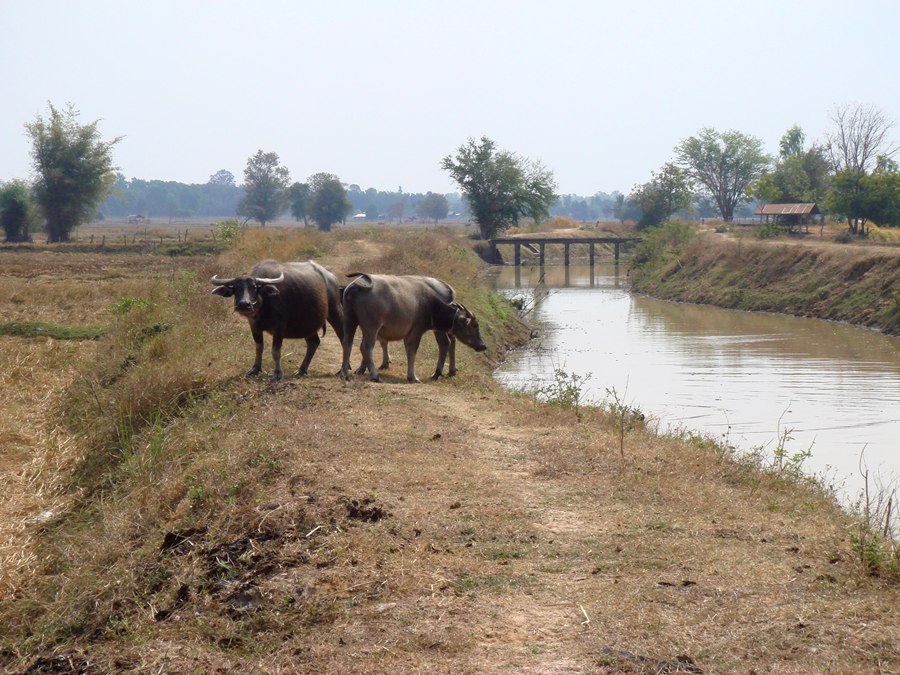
(542, 241)
(563, 240)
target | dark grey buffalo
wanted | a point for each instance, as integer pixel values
(289, 300)
(389, 308)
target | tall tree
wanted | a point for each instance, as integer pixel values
(791, 144)
(724, 163)
(17, 210)
(859, 138)
(265, 188)
(74, 169)
(668, 191)
(500, 187)
(860, 135)
(328, 204)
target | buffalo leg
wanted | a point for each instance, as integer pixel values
(451, 349)
(412, 346)
(312, 344)
(347, 343)
(443, 341)
(277, 339)
(257, 363)
(385, 358)
(385, 355)
(366, 346)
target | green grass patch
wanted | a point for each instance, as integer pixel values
(39, 329)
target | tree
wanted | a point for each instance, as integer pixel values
(800, 175)
(725, 163)
(265, 188)
(74, 169)
(222, 177)
(433, 206)
(791, 144)
(858, 143)
(328, 204)
(499, 186)
(881, 197)
(667, 192)
(300, 194)
(860, 199)
(17, 210)
(859, 136)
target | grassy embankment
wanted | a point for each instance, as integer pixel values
(856, 284)
(163, 514)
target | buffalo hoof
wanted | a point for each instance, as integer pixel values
(253, 372)
(451, 373)
(375, 379)
(414, 380)
(277, 376)
(301, 372)
(437, 375)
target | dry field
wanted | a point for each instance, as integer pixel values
(163, 514)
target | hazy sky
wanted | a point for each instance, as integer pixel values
(378, 92)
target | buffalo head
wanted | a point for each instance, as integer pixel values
(248, 292)
(465, 328)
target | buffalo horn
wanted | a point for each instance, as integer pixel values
(276, 280)
(221, 282)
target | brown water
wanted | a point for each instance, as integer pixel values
(746, 378)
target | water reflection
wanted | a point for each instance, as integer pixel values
(745, 377)
(559, 276)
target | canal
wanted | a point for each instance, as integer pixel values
(752, 380)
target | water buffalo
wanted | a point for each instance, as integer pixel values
(289, 300)
(391, 308)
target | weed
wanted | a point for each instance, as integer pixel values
(229, 231)
(784, 462)
(875, 542)
(626, 417)
(565, 390)
(124, 305)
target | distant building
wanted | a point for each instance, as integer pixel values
(791, 216)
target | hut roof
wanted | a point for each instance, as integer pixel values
(787, 210)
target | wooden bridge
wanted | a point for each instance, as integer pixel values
(542, 241)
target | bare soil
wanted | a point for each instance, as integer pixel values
(321, 526)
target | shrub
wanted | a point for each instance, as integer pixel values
(229, 231)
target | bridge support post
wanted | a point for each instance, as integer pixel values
(617, 252)
(518, 254)
(566, 245)
(591, 254)
(542, 254)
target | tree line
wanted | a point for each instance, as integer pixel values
(851, 172)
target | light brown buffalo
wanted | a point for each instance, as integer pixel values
(389, 308)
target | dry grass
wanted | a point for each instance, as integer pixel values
(205, 522)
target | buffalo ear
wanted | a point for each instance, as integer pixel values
(224, 291)
(462, 318)
(269, 290)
